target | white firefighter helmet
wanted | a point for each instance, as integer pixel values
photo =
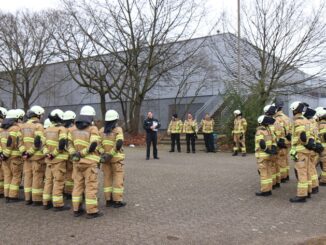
(260, 119)
(295, 105)
(267, 107)
(21, 113)
(69, 115)
(87, 111)
(37, 110)
(321, 113)
(237, 112)
(111, 115)
(12, 114)
(3, 111)
(57, 112)
(47, 123)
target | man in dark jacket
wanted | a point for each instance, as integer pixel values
(151, 125)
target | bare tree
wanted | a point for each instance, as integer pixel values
(26, 47)
(144, 39)
(280, 40)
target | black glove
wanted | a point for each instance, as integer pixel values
(26, 155)
(310, 145)
(288, 136)
(118, 145)
(241, 136)
(272, 151)
(324, 136)
(3, 157)
(319, 148)
(9, 141)
(303, 137)
(105, 158)
(37, 142)
(262, 144)
(62, 144)
(281, 144)
(269, 151)
(50, 156)
(92, 147)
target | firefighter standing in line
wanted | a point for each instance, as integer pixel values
(321, 114)
(302, 143)
(3, 113)
(11, 156)
(83, 142)
(278, 161)
(314, 153)
(34, 166)
(239, 133)
(175, 129)
(190, 128)
(56, 159)
(287, 124)
(207, 125)
(69, 122)
(112, 157)
(265, 148)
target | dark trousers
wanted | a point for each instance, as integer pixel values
(209, 142)
(175, 138)
(191, 138)
(151, 138)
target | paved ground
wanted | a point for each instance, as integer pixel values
(180, 199)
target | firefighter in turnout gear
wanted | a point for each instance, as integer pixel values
(321, 114)
(265, 149)
(112, 157)
(287, 124)
(239, 133)
(175, 129)
(302, 144)
(278, 160)
(3, 113)
(69, 122)
(314, 153)
(190, 128)
(82, 146)
(207, 125)
(56, 159)
(34, 166)
(11, 156)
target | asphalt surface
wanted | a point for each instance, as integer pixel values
(202, 198)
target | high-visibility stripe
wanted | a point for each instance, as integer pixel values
(81, 142)
(12, 133)
(118, 190)
(91, 201)
(299, 128)
(303, 185)
(37, 191)
(314, 177)
(323, 173)
(108, 189)
(94, 138)
(62, 136)
(69, 183)
(77, 199)
(259, 137)
(6, 186)
(27, 189)
(47, 197)
(283, 170)
(57, 198)
(119, 137)
(14, 187)
(38, 133)
(62, 156)
(108, 142)
(1, 183)
(93, 158)
(16, 153)
(266, 181)
(52, 142)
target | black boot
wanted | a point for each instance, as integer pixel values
(322, 184)
(7, 200)
(171, 151)
(298, 199)
(48, 206)
(283, 180)
(29, 202)
(2, 196)
(59, 209)
(94, 215)
(109, 203)
(287, 178)
(235, 153)
(309, 195)
(277, 185)
(315, 190)
(68, 196)
(119, 204)
(244, 154)
(37, 203)
(13, 200)
(78, 213)
(264, 194)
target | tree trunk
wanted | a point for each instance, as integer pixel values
(103, 105)
(14, 97)
(26, 103)
(124, 108)
(134, 117)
